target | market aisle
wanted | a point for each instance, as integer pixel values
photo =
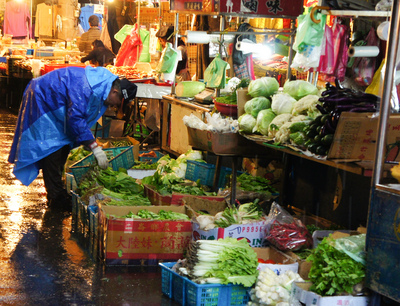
(41, 263)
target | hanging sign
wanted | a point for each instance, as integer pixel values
(194, 6)
(98, 9)
(267, 8)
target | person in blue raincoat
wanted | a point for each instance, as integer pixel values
(56, 113)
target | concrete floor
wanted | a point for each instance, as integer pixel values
(43, 263)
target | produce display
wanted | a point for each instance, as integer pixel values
(246, 214)
(170, 173)
(222, 261)
(162, 215)
(332, 271)
(248, 182)
(231, 97)
(130, 72)
(273, 289)
(286, 232)
(117, 185)
(144, 166)
(78, 153)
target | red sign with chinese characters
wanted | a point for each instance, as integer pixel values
(193, 6)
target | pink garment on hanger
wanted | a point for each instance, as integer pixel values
(250, 66)
(16, 19)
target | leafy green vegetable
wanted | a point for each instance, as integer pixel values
(249, 182)
(247, 123)
(265, 86)
(222, 261)
(144, 166)
(78, 153)
(333, 272)
(255, 105)
(162, 215)
(264, 118)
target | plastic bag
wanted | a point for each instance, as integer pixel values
(308, 42)
(215, 74)
(353, 246)
(333, 61)
(286, 232)
(364, 67)
(168, 60)
(130, 49)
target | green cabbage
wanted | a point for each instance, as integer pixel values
(265, 86)
(254, 105)
(246, 123)
(264, 118)
(299, 89)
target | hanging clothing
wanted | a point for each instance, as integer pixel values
(86, 12)
(16, 19)
(105, 36)
(56, 112)
(46, 20)
(113, 27)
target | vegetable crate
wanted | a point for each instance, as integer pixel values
(205, 172)
(186, 292)
(70, 183)
(120, 157)
(150, 159)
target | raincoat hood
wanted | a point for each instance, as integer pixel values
(57, 109)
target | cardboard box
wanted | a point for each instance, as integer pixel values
(356, 135)
(173, 199)
(301, 293)
(254, 233)
(220, 143)
(283, 261)
(211, 207)
(125, 241)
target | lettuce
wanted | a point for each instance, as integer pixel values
(299, 89)
(246, 123)
(264, 118)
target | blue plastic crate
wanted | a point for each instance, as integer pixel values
(224, 176)
(70, 183)
(120, 157)
(186, 292)
(200, 171)
(149, 159)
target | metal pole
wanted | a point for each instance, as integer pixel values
(138, 29)
(221, 41)
(290, 55)
(175, 46)
(391, 56)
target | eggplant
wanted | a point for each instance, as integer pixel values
(328, 127)
(321, 109)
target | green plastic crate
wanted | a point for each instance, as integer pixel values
(120, 157)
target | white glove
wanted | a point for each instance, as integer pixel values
(101, 157)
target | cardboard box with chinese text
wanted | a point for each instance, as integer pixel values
(126, 241)
(356, 136)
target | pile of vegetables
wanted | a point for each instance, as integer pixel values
(78, 153)
(234, 84)
(272, 113)
(170, 173)
(162, 215)
(222, 261)
(248, 182)
(144, 166)
(273, 289)
(117, 185)
(332, 271)
(247, 213)
(317, 135)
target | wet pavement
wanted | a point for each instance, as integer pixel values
(42, 262)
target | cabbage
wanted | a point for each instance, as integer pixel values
(254, 105)
(299, 89)
(246, 123)
(282, 103)
(264, 118)
(265, 86)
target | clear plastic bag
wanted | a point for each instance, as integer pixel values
(353, 246)
(168, 60)
(286, 232)
(215, 74)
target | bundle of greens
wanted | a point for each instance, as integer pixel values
(144, 166)
(222, 261)
(161, 215)
(114, 184)
(332, 271)
(247, 213)
(248, 182)
(78, 154)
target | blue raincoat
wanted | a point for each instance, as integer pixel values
(57, 109)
